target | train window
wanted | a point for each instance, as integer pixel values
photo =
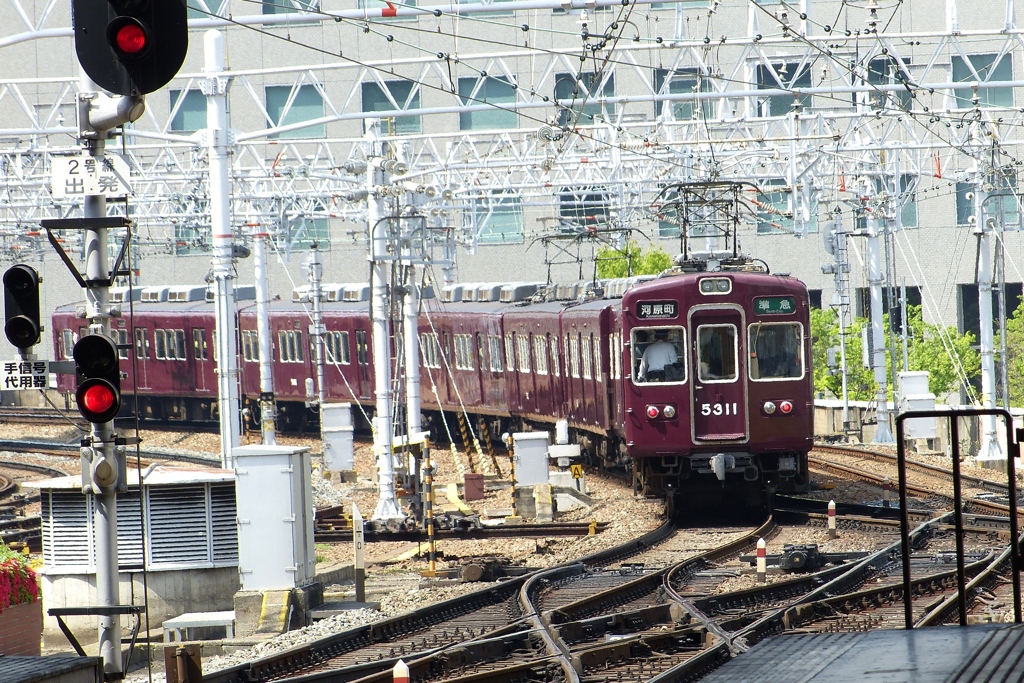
(430, 351)
(480, 350)
(121, 339)
(555, 370)
(337, 348)
(141, 344)
(170, 344)
(614, 355)
(289, 343)
(494, 348)
(540, 353)
(464, 352)
(775, 351)
(716, 353)
(362, 348)
(659, 354)
(523, 352)
(250, 346)
(595, 343)
(585, 352)
(574, 355)
(67, 341)
(510, 351)
(200, 350)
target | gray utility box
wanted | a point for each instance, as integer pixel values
(531, 453)
(337, 434)
(914, 395)
(275, 517)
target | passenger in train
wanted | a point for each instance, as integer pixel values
(657, 358)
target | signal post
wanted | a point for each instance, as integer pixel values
(129, 48)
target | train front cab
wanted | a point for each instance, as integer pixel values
(729, 419)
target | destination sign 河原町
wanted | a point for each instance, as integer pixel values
(656, 309)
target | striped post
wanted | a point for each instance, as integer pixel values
(428, 518)
(359, 563)
(762, 561)
(831, 519)
(512, 473)
(886, 492)
(400, 674)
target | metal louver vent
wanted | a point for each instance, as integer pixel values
(178, 532)
(129, 531)
(225, 529)
(67, 537)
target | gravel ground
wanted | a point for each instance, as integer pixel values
(626, 515)
(627, 518)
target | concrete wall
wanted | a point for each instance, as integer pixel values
(170, 594)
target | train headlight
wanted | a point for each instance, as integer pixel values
(722, 285)
(669, 412)
(786, 407)
(769, 408)
(653, 412)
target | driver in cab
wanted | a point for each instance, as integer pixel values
(657, 357)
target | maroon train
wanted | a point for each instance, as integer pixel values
(721, 412)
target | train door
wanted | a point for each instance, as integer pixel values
(201, 355)
(363, 363)
(719, 392)
(142, 348)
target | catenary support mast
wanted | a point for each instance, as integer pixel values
(215, 87)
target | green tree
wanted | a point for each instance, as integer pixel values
(933, 348)
(631, 260)
(1015, 355)
(860, 382)
(927, 350)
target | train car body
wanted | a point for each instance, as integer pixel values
(737, 401)
(700, 382)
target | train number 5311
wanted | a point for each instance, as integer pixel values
(718, 409)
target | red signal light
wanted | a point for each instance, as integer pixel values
(131, 39)
(653, 412)
(98, 398)
(128, 37)
(786, 407)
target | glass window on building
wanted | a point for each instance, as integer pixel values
(580, 98)
(286, 6)
(287, 105)
(189, 111)
(682, 82)
(886, 71)
(476, 91)
(908, 201)
(394, 96)
(782, 76)
(982, 68)
(583, 207)
(498, 219)
(301, 232)
(773, 208)
(204, 9)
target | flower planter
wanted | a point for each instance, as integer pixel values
(21, 628)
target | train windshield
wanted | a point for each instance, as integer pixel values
(659, 354)
(716, 353)
(776, 351)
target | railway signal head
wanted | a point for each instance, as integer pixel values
(130, 47)
(21, 306)
(98, 369)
